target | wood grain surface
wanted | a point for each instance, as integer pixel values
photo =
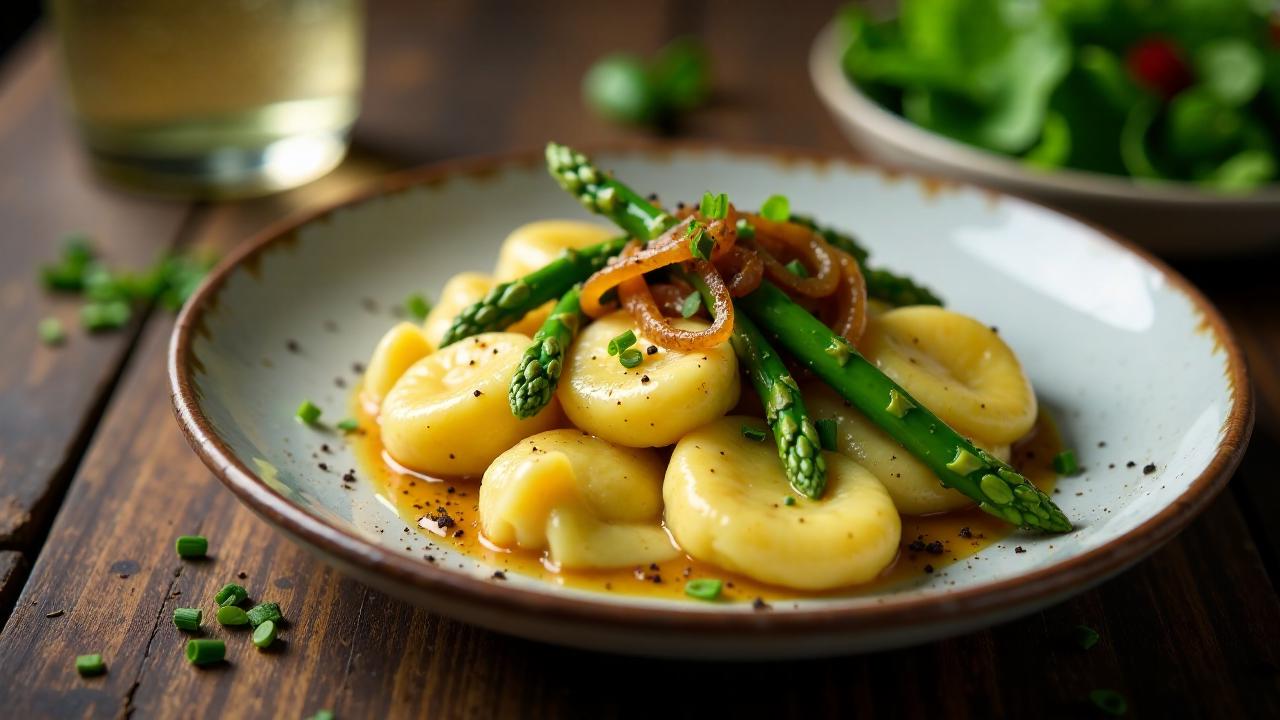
(1192, 632)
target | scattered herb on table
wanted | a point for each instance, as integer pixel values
(232, 616)
(1084, 636)
(192, 546)
(1109, 702)
(1188, 92)
(205, 651)
(264, 634)
(230, 594)
(263, 612)
(112, 295)
(187, 618)
(629, 89)
(90, 665)
(51, 331)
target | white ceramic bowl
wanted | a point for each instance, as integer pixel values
(1119, 347)
(1174, 219)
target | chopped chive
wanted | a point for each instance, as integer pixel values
(90, 665)
(322, 715)
(232, 616)
(1109, 702)
(622, 342)
(751, 433)
(630, 358)
(691, 305)
(50, 331)
(308, 413)
(187, 618)
(192, 546)
(263, 612)
(417, 306)
(1064, 463)
(827, 433)
(108, 315)
(348, 425)
(264, 634)
(746, 231)
(788, 501)
(777, 208)
(231, 594)
(714, 206)
(703, 588)
(1085, 637)
(205, 651)
(700, 246)
(797, 268)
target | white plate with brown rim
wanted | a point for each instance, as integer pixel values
(1138, 370)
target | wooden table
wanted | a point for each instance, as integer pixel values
(95, 479)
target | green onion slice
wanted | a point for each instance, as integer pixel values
(192, 546)
(777, 208)
(263, 612)
(308, 413)
(90, 665)
(231, 594)
(630, 358)
(622, 342)
(264, 634)
(1064, 463)
(205, 651)
(187, 618)
(232, 616)
(704, 588)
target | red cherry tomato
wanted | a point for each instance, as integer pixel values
(1157, 64)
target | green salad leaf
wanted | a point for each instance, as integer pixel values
(1179, 90)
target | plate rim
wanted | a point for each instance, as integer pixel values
(458, 589)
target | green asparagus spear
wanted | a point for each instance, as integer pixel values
(535, 379)
(998, 488)
(882, 284)
(603, 195)
(509, 301)
(798, 446)
(797, 439)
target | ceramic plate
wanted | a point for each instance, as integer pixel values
(1120, 350)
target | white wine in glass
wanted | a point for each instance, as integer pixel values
(212, 98)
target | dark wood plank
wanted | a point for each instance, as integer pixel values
(50, 397)
(13, 573)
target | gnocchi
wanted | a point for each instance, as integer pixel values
(957, 367)
(724, 496)
(653, 404)
(448, 415)
(585, 502)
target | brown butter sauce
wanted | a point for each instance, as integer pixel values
(417, 500)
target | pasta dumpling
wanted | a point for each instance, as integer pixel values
(725, 494)
(532, 246)
(653, 404)
(462, 290)
(448, 415)
(584, 501)
(402, 346)
(913, 486)
(955, 366)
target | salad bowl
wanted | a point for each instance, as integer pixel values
(1139, 371)
(1170, 218)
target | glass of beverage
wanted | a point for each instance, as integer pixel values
(215, 98)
